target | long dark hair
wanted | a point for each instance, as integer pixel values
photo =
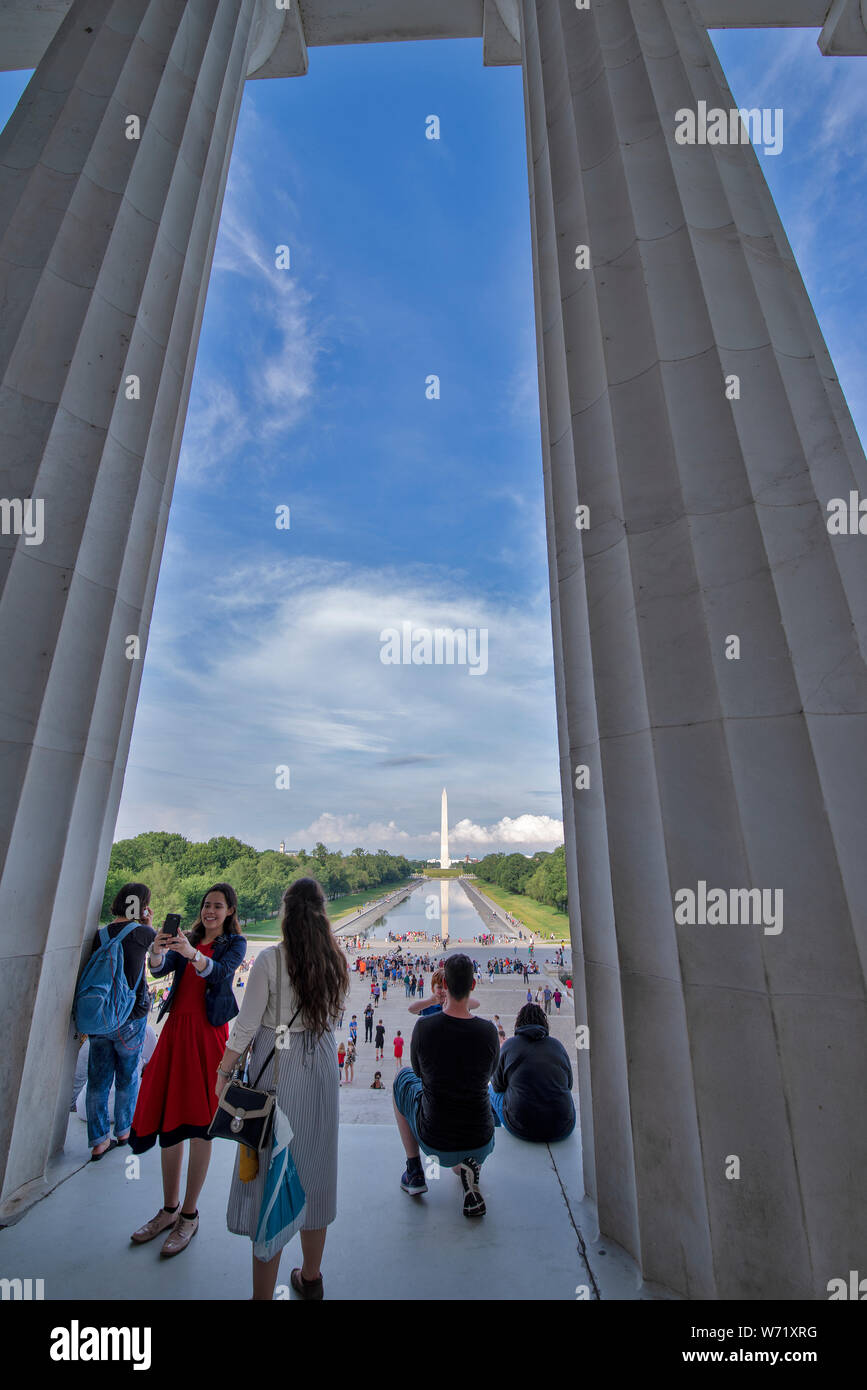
(231, 926)
(317, 966)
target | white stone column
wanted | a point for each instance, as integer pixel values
(105, 249)
(707, 519)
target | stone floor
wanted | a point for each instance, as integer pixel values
(538, 1240)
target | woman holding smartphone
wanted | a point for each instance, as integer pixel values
(176, 1100)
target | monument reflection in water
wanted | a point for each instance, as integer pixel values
(441, 910)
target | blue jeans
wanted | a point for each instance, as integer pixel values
(497, 1098)
(406, 1092)
(113, 1058)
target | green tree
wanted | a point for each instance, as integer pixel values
(243, 875)
(113, 884)
(198, 858)
(151, 847)
(512, 873)
(190, 892)
(162, 880)
(226, 849)
(548, 881)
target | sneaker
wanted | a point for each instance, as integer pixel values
(413, 1184)
(474, 1202)
(155, 1227)
(179, 1237)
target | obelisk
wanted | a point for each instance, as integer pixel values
(445, 862)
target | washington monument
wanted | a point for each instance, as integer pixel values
(445, 862)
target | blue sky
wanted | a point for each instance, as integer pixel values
(409, 257)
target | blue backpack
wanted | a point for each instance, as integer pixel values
(103, 999)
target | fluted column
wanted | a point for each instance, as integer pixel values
(707, 521)
(105, 248)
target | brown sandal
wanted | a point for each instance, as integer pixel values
(306, 1288)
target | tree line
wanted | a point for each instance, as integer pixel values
(179, 872)
(543, 877)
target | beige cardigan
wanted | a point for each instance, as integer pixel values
(259, 1006)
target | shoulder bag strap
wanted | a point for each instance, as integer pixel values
(277, 1016)
(275, 1050)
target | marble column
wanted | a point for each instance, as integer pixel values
(724, 1138)
(105, 248)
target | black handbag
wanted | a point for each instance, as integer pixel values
(245, 1112)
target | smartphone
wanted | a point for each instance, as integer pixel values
(172, 924)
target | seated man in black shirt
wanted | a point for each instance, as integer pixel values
(531, 1091)
(441, 1103)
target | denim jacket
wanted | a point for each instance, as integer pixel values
(220, 1002)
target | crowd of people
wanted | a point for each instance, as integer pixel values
(465, 1077)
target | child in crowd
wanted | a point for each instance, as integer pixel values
(376, 1083)
(434, 1002)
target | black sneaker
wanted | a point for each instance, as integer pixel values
(413, 1183)
(474, 1202)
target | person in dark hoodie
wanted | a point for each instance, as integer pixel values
(531, 1089)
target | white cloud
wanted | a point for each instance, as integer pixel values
(527, 831)
(295, 678)
(345, 832)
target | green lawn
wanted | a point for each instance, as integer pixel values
(539, 917)
(337, 908)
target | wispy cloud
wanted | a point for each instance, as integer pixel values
(230, 417)
(296, 679)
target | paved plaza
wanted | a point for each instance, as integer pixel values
(358, 1104)
(539, 1240)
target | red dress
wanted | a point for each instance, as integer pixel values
(176, 1099)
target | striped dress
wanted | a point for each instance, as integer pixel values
(308, 1094)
